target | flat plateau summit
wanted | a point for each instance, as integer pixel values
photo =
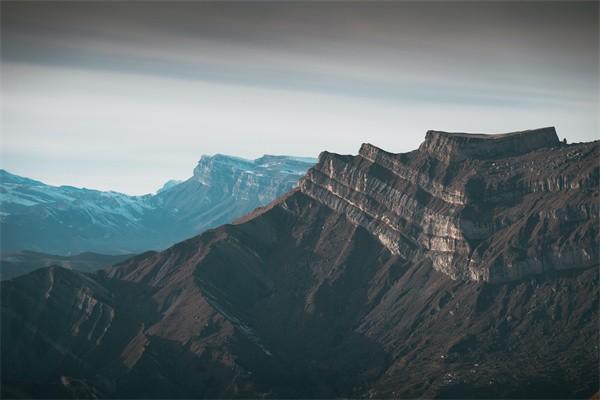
(465, 268)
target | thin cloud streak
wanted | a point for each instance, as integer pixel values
(112, 82)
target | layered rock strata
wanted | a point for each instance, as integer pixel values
(480, 207)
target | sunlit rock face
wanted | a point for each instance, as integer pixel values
(480, 207)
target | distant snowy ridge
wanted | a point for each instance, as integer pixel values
(168, 185)
(68, 220)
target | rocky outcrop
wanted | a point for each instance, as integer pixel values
(480, 207)
(452, 147)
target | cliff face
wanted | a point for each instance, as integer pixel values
(484, 208)
(452, 147)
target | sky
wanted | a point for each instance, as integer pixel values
(127, 95)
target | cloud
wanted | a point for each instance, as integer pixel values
(150, 88)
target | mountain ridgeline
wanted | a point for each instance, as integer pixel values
(480, 207)
(466, 268)
(24, 262)
(66, 220)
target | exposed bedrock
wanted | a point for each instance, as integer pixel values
(449, 147)
(480, 207)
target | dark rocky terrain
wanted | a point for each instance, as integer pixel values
(24, 262)
(465, 269)
(66, 220)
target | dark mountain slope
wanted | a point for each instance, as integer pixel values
(300, 300)
(23, 262)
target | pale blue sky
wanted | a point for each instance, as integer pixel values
(125, 96)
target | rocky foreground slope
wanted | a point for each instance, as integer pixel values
(350, 286)
(66, 220)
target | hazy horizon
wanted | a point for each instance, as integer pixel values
(126, 96)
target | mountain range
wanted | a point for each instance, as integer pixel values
(66, 220)
(467, 268)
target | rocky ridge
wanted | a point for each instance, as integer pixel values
(480, 207)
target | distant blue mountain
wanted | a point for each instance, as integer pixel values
(67, 220)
